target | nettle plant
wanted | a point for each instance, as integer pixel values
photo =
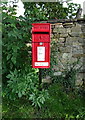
(26, 85)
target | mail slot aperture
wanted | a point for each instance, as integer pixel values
(41, 37)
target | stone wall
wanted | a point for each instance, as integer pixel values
(69, 35)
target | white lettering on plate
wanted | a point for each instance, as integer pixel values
(41, 63)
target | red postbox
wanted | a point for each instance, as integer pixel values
(41, 45)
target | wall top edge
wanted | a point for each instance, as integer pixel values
(63, 20)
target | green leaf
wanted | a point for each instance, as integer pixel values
(15, 48)
(23, 92)
(13, 59)
(19, 94)
(8, 56)
(77, 116)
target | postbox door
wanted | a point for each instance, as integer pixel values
(40, 55)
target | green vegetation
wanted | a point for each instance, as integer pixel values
(21, 95)
(47, 11)
(58, 105)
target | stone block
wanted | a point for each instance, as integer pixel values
(75, 34)
(59, 30)
(76, 44)
(64, 35)
(79, 51)
(78, 55)
(68, 25)
(60, 44)
(83, 35)
(79, 78)
(60, 66)
(57, 73)
(67, 56)
(83, 28)
(68, 30)
(69, 41)
(58, 25)
(46, 81)
(78, 25)
(75, 39)
(76, 29)
(67, 49)
(81, 40)
(62, 40)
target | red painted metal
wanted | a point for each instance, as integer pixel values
(41, 27)
(41, 37)
(41, 45)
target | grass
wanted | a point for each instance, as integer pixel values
(59, 105)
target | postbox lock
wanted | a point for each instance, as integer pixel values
(41, 43)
